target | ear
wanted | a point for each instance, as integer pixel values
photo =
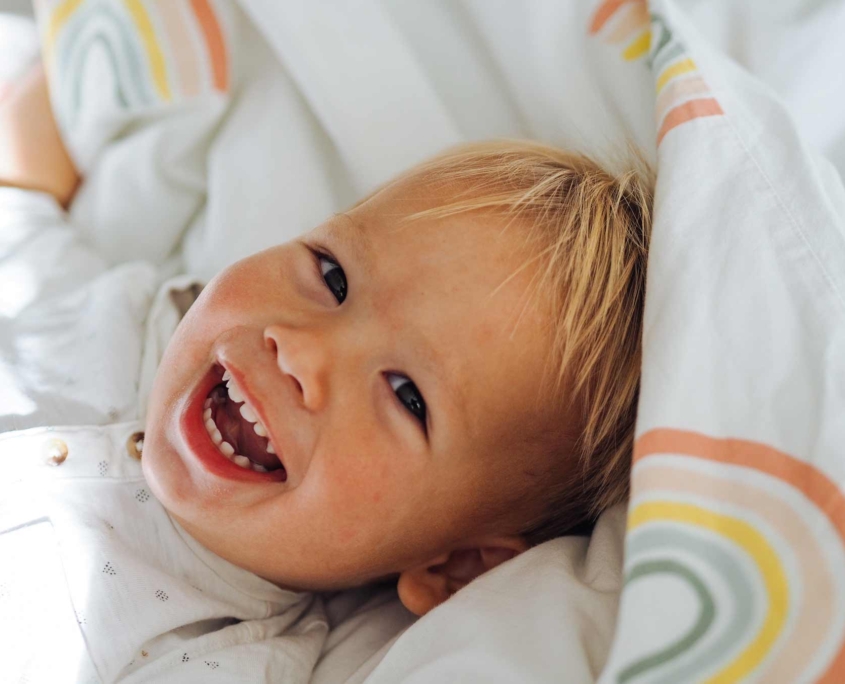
(429, 584)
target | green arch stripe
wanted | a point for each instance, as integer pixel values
(667, 47)
(666, 56)
(68, 42)
(731, 571)
(665, 34)
(705, 617)
(103, 40)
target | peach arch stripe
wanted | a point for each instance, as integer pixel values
(676, 69)
(176, 28)
(158, 67)
(815, 611)
(635, 18)
(756, 546)
(606, 11)
(806, 478)
(694, 109)
(215, 42)
(677, 90)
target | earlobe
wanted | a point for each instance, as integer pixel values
(418, 594)
(421, 589)
(428, 585)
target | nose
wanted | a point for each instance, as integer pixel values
(302, 358)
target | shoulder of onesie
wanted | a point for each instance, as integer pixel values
(78, 451)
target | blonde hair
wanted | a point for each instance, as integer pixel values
(588, 231)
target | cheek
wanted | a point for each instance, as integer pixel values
(224, 303)
(360, 490)
(361, 482)
(236, 291)
(367, 470)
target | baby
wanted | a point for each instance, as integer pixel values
(419, 389)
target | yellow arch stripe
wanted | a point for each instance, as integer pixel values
(148, 38)
(58, 19)
(678, 68)
(755, 544)
(638, 47)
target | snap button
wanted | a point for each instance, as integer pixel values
(135, 445)
(55, 451)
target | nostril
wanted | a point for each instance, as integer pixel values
(300, 357)
(298, 385)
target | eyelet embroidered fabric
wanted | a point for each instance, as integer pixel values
(104, 578)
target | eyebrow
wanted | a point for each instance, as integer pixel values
(355, 240)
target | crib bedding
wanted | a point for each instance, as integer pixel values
(734, 551)
(222, 128)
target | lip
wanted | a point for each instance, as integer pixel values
(200, 446)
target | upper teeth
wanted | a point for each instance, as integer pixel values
(246, 410)
(249, 415)
(234, 393)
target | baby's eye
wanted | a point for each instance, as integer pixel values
(409, 395)
(334, 276)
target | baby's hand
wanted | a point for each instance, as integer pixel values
(32, 155)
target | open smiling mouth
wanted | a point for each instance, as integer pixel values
(236, 431)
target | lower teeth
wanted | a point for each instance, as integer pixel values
(224, 447)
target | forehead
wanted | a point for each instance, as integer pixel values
(452, 298)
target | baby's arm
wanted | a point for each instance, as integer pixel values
(32, 155)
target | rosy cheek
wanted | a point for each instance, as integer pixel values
(351, 500)
(347, 534)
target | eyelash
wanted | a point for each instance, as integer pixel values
(421, 419)
(319, 257)
(421, 414)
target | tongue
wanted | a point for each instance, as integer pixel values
(240, 434)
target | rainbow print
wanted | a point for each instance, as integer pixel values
(158, 51)
(756, 536)
(735, 549)
(623, 22)
(682, 94)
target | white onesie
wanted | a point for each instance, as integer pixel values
(98, 583)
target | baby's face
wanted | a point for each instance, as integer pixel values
(386, 366)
